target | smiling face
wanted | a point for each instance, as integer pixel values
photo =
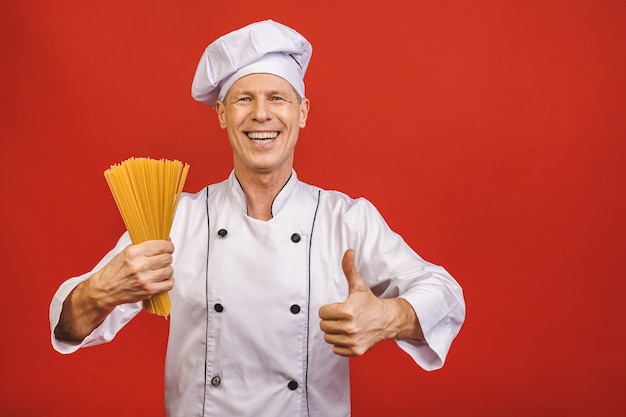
(262, 115)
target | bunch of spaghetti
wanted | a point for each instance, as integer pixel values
(146, 192)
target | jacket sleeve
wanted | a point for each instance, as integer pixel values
(392, 269)
(114, 322)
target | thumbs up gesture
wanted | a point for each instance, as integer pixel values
(355, 325)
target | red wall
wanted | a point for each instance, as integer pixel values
(490, 134)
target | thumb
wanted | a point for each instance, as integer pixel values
(355, 281)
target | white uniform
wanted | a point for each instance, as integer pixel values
(244, 327)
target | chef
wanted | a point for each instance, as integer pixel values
(274, 282)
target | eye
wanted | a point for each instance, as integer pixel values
(241, 98)
(276, 98)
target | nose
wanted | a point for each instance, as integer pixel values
(262, 111)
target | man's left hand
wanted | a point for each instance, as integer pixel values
(355, 325)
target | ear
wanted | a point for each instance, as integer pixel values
(220, 109)
(305, 105)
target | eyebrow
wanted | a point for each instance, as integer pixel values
(274, 92)
(269, 93)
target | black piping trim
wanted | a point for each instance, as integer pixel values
(206, 292)
(308, 324)
(274, 199)
(244, 195)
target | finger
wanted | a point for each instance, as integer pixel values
(335, 327)
(152, 282)
(155, 247)
(162, 274)
(338, 340)
(157, 287)
(355, 281)
(335, 311)
(331, 327)
(348, 351)
(159, 261)
(344, 346)
(148, 267)
(343, 351)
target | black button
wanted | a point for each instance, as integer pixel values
(216, 381)
(218, 307)
(295, 309)
(292, 385)
(222, 232)
(295, 238)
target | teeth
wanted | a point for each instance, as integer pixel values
(262, 141)
(262, 135)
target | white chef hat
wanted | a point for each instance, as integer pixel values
(261, 47)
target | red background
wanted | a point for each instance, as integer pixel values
(490, 134)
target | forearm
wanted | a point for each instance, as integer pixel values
(403, 322)
(82, 312)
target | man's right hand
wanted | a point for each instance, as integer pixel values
(135, 274)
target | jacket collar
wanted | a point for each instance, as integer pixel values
(238, 195)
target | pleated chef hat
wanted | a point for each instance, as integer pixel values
(261, 47)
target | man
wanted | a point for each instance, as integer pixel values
(277, 282)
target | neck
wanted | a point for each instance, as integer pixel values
(261, 190)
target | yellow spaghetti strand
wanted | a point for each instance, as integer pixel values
(146, 192)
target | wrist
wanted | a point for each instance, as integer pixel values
(403, 322)
(92, 298)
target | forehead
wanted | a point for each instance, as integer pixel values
(262, 83)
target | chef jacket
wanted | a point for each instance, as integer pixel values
(244, 327)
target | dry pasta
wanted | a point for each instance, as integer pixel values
(146, 192)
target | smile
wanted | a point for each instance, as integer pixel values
(262, 138)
